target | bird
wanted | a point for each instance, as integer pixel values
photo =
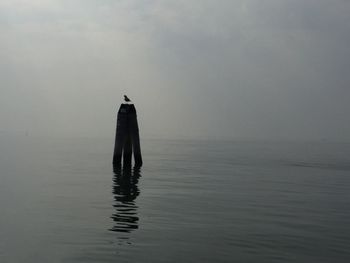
(126, 98)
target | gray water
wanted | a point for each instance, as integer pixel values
(192, 201)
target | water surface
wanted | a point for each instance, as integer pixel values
(192, 201)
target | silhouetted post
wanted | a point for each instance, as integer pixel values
(135, 138)
(127, 137)
(127, 151)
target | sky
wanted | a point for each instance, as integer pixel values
(223, 69)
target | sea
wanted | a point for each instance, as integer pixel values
(61, 200)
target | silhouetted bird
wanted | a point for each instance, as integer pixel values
(126, 98)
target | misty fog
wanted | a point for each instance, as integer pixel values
(230, 69)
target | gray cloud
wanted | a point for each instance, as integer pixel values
(227, 69)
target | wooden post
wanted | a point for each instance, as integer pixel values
(127, 138)
(127, 151)
(135, 138)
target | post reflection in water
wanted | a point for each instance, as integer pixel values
(125, 191)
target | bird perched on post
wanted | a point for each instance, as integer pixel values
(126, 98)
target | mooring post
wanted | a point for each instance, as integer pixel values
(127, 151)
(120, 135)
(135, 137)
(127, 138)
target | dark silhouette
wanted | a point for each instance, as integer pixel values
(127, 140)
(126, 98)
(125, 191)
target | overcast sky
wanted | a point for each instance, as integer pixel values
(269, 69)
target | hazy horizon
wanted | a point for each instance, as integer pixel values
(233, 69)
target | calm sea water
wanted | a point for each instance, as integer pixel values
(192, 201)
